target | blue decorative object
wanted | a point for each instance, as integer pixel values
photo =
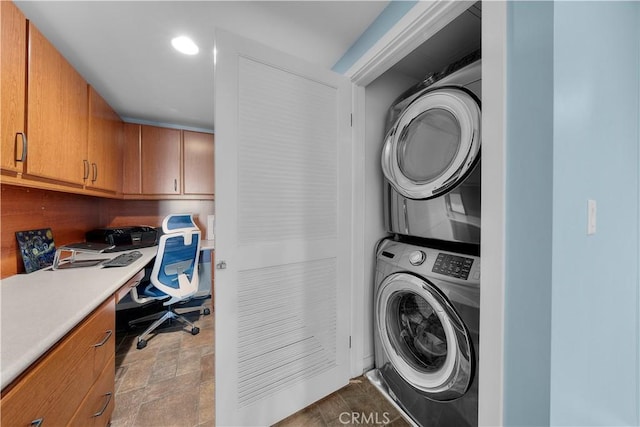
(37, 248)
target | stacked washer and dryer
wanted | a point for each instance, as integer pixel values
(427, 283)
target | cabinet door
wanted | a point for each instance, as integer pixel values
(105, 144)
(161, 157)
(198, 163)
(56, 114)
(131, 160)
(13, 60)
(98, 405)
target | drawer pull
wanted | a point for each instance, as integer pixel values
(37, 423)
(106, 404)
(106, 338)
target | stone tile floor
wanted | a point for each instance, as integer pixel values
(171, 383)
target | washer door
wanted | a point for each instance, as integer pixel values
(423, 336)
(433, 144)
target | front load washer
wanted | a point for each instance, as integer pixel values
(427, 313)
(431, 157)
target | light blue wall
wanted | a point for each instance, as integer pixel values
(378, 28)
(529, 172)
(572, 301)
(595, 336)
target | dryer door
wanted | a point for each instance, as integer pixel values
(423, 336)
(434, 143)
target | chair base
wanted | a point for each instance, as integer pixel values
(161, 317)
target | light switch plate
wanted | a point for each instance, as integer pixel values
(591, 217)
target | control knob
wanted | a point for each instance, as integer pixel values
(417, 257)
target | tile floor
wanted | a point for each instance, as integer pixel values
(171, 382)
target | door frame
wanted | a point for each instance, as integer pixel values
(419, 24)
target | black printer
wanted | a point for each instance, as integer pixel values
(124, 238)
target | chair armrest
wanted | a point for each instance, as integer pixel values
(137, 298)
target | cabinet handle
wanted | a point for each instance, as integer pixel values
(175, 185)
(37, 423)
(95, 172)
(24, 147)
(106, 338)
(106, 404)
(85, 175)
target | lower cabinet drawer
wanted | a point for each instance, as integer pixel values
(97, 407)
(51, 391)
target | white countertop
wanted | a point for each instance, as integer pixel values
(38, 309)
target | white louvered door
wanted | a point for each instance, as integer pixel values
(283, 231)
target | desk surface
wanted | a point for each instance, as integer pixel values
(40, 308)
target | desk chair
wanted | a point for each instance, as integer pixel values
(174, 276)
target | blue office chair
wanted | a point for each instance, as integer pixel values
(174, 276)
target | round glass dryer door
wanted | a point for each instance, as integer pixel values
(423, 337)
(433, 144)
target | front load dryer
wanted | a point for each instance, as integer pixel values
(431, 158)
(427, 305)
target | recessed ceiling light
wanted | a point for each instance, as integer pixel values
(185, 45)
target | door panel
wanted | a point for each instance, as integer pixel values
(160, 151)
(283, 191)
(433, 145)
(57, 114)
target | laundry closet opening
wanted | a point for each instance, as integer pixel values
(422, 192)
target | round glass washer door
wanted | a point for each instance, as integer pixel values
(423, 337)
(433, 144)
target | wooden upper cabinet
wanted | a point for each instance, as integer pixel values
(131, 160)
(104, 145)
(167, 163)
(161, 156)
(57, 114)
(198, 163)
(13, 60)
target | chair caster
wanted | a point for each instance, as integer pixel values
(141, 344)
(206, 312)
(195, 330)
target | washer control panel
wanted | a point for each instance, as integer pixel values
(431, 263)
(453, 265)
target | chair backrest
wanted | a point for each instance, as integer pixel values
(175, 271)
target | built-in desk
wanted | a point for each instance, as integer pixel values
(47, 322)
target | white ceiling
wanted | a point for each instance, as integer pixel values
(123, 48)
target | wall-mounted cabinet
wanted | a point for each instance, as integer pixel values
(57, 132)
(57, 112)
(13, 57)
(103, 164)
(167, 163)
(198, 154)
(131, 160)
(161, 160)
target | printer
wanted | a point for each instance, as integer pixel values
(124, 238)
